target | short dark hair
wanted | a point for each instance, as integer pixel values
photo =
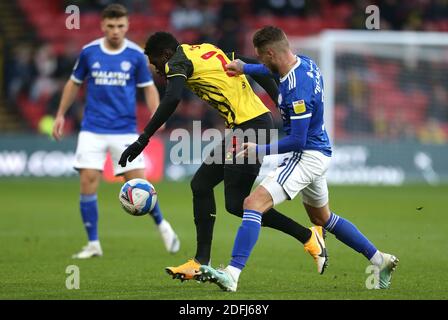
(114, 10)
(268, 35)
(160, 41)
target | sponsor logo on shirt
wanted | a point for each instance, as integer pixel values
(110, 78)
(125, 66)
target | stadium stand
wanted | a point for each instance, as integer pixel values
(39, 64)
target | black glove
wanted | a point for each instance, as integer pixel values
(134, 150)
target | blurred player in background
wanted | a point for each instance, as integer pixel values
(114, 67)
(202, 68)
(307, 152)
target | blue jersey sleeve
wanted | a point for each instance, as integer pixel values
(295, 141)
(257, 69)
(300, 113)
(144, 76)
(81, 68)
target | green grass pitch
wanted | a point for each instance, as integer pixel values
(40, 227)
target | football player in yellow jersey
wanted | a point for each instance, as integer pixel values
(202, 69)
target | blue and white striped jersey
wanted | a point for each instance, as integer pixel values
(301, 101)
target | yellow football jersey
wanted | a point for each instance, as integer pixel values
(203, 66)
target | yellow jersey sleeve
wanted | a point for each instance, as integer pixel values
(179, 65)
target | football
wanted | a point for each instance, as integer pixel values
(138, 197)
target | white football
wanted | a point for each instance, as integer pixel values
(138, 197)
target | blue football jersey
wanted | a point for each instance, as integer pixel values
(300, 97)
(112, 78)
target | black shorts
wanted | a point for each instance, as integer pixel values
(257, 130)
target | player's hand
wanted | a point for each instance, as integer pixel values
(133, 150)
(249, 150)
(58, 127)
(235, 68)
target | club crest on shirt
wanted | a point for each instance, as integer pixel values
(125, 66)
(299, 106)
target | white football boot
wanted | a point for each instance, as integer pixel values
(388, 266)
(92, 249)
(222, 278)
(169, 237)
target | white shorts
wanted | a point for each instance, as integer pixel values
(300, 172)
(92, 149)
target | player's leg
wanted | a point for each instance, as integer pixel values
(240, 177)
(89, 161)
(284, 184)
(169, 236)
(204, 207)
(136, 169)
(315, 201)
(204, 210)
(255, 204)
(209, 174)
(237, 186)
(89, 180)
(306, 167)
(292, 176)
(238, 180)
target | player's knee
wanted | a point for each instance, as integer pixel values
(198, 185)
(318, 215)
(234, 206)
(250, 203)
(318, 221)
(88, 182)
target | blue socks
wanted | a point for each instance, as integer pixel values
(249, 230)
(246, 238)
(346, 232)
(156, 214)
(89, 213)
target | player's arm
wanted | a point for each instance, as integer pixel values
(178, 69)
(300, 113)
(295, 141)
(257, 69)
(146, 81)
(69, 93)
(267, 83)
(152, 97)
(167, 106)
(238, 67)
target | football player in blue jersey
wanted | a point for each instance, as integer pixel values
(307, 154)
(113, 68)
